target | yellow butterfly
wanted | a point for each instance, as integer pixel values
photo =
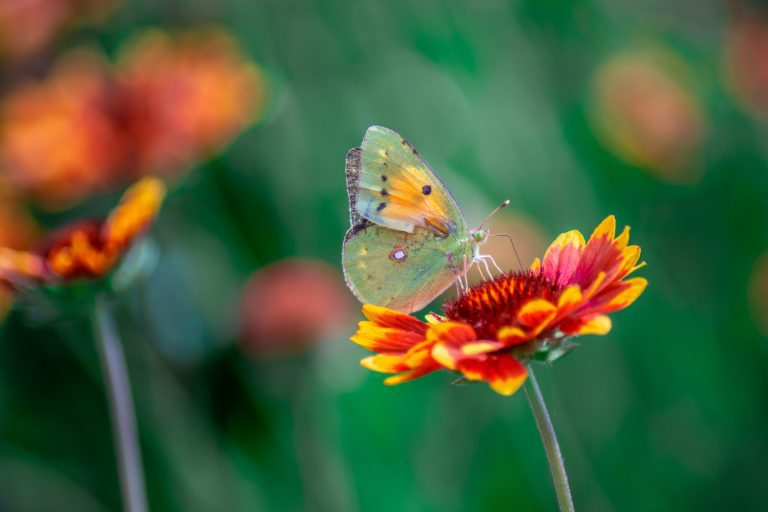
(408, 239)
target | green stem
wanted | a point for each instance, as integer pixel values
(121, 409)
(549, 439)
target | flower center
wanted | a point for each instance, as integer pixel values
(491, 305)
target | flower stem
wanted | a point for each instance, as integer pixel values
(549, 439)
(121, 409)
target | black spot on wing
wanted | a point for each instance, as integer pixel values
(384, 192)
(381, 207)
(426, 190)
(383, 178)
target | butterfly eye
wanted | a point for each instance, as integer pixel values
(398, 254)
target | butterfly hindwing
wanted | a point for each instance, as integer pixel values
(395, 269)
(391, 185)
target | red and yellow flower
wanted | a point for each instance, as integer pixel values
(491, 331)
(86, 249)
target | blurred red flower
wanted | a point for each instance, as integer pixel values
(85, 249)
(644, 111)
(27, 26)
(291, 304)
(185, 97)
(491, 331)
(746, 61)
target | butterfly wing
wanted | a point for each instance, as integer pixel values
(391, 185)
(399, 270)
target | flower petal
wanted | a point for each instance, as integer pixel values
(536, 313)
(419, 355)
(17, 267)
(385, 363)
(448, 338)
(511, 336)
(480, 347)
(503, 372)
(385, 339)
(597, 324)
(136, 211)
(410, 375)
(385, 317)
(562, 257)
(620, 296)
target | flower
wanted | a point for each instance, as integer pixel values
(645, 110)
(59, 142)
(27, 26)
(491, 331)
(746, 64)
(185, 96)
(90, 126)
(87, 249)
(273, 322)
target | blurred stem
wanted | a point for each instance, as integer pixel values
(551, 446)
(121, 408)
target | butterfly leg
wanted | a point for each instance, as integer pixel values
(485, 258)
(480, 271)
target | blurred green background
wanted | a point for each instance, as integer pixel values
(653, 111)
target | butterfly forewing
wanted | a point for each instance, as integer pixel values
(391, 185)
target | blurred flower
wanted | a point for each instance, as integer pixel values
(746, 61)
(86, 249)
(18, 230)
(87, 128)
(289, 305)
(26, 26)
(491, 331)
(758, 293)
(59, 143)
(644, 112)
(185, 97)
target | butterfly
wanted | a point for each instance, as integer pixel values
(408, 240)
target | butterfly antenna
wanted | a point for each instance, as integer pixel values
(494, 212)
(513, 247)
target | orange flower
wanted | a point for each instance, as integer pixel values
(89, 126)
(186, 96)
(59, 142)
(88, 249)
(491, 331)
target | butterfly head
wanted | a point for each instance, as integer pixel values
(479, 235)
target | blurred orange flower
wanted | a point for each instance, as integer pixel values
(59, 142)
(274, 321)
(18, 230)
(491, 331)
(87, 249)
(88, 128)
(186, 97)
(644, 111)
(26, 26)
